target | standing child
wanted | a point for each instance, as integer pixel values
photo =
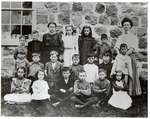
(21, 61)
(76, 67)
(40, 96)
(82, 92)
(19, 89)
(91, 69)
(101, 88)
(86, 44)
(120, 97)
(64, 88)
(21, 48)
(70, 45)
(123, 63)
(34, 46)
(106, 65)
(53, 69)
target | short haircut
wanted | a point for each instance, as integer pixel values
(127, 20)
(104, 36)
(123, 45)
(35, 54)
(24, 69)
(40, 70)
(107, 53)
(22, 52)
(64, 69)
(102, 70)
(90, 55)
(75, 56)
(22, 36)
(53, 52)
(35, 31)
(81, 71)
(51, 23)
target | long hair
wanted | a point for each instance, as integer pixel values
(82, 32)
(36, 75)
(114, 76)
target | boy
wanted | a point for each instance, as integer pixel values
(64, 87)
(21, 48)
(82, 92)
(91, 69)
(53, 69)
(21, 61)
(101, 88)
(34, 46)
(19, 88)
(104, 47)
(76, 67)
(106, 65)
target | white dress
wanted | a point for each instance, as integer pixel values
(91, 72)
(40, 90)
(120, 99)
(70, 48)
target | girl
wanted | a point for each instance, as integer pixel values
(120, 97)
(70, 45)
(87, 44)
(19, 89)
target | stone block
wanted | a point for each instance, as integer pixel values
(144, 21)
(88, 7)
(111, 10)
(76, 18)
(64, 18)
(104, 19)
(100, 8)
(64, 7)
(115, 33)
(76, 7)
(135, 21)
(51, 6)
(114, 20)
(100, 30)
(141, 32)
(91, 19)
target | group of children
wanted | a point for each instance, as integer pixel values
(80, 79)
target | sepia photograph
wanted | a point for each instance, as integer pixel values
(74, 59)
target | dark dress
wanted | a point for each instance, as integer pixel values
(86, 46)
(51, 42)
(34, 46)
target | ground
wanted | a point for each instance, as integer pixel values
(138, 109)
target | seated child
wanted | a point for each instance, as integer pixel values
(76, 67)
(34, 46)
(35, 66)
(40, 96)
(21, 47)
(101, 88)
(19, 89)
(91, 69)
(53, 70)
(64, 88)
(120, 98)
(106, 65)
(123, 63)
(21, 61)
(82, 92)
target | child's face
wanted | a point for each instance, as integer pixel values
(82, 76)
(41, 75)
(104, 40)
(20, 73)
(52, 28)
(21, 56)
(90, 60)
(123, 50)
(75, 61)
(36, 58)
(53, 58)
(86, 31)
(102, 75)
(22, 41)
(69, 30)
(35, 36)
(127, 26)
(119, 76)
(106, 59)
(66, 74)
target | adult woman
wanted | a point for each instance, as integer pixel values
(51, 41)
(132, 41)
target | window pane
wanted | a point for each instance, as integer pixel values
(5, 17)
(27, 4)
(26, 30)
(5, 4)
(5, 31)
(15, 29)
(16, 17)
(27, 17)
(15, 4)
